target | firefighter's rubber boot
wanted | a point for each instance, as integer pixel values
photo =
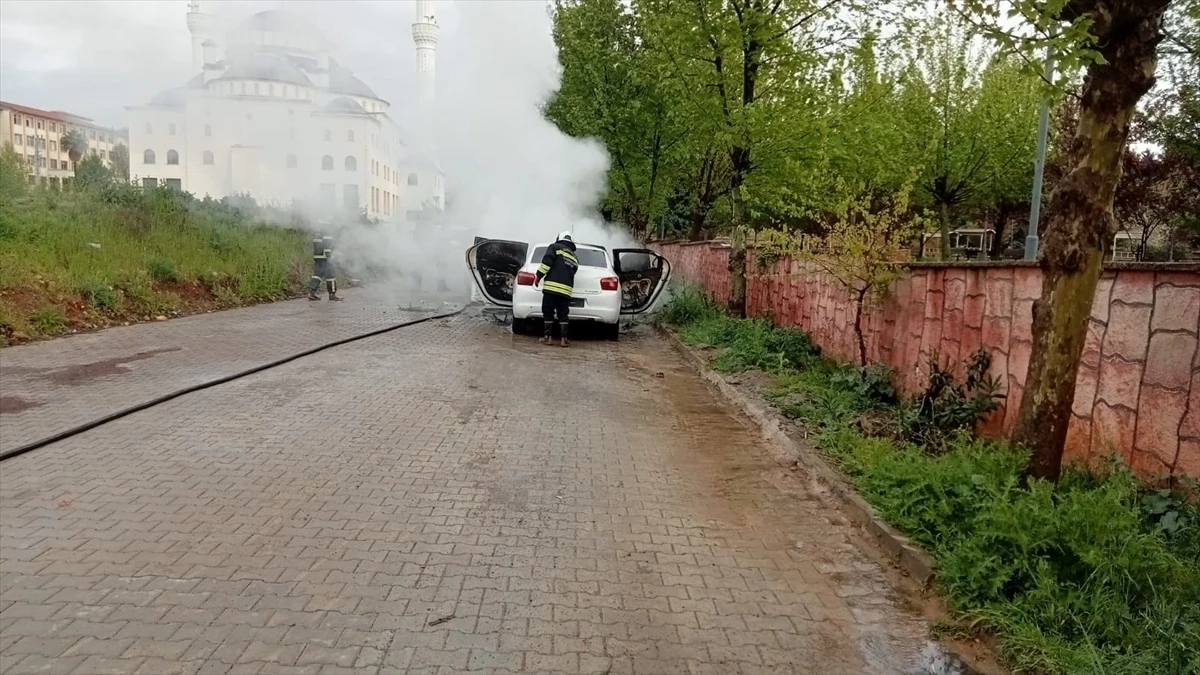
(563, 333)
(334, 297)
(313, 296)
(549, 332)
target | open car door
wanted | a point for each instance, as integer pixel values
(643, 274)
(494, 264)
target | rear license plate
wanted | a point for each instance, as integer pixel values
(577, 302)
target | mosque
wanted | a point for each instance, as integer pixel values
(272, 114)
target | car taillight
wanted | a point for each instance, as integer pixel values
(526, 278)
(610, 283)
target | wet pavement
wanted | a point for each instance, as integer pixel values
(442, 498)
(49, 387)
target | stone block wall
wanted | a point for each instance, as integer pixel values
(1138, 391)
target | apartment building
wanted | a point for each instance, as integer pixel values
(36, 135)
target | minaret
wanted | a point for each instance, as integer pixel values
(425, 36)
(200, 25)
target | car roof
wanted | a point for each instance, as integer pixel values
(577, 245)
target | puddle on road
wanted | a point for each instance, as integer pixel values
(11, 405)
(86, 372)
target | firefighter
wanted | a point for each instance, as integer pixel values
(556, 274)
(323, 269)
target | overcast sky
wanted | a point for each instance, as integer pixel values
(94, 57)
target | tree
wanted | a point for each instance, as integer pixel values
(75, 143)
(610, 90)
(12, 173)
(1155, 193)
(1172, 114)
(118, 162)
(1116, 42)
(745, 69)
(974, 116)
(91, 173)
(861, 250)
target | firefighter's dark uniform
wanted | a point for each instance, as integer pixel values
(557, 275)
(323, 269)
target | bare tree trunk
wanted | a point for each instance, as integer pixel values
(1003, 215)
(1080, 221)
(859, 301)
(945, 230)
(740, 159)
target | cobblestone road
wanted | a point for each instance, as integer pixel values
(442, 498)
(52, 386)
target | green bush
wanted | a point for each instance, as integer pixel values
(1094, 575)
(163, 270)
(100, 295)
(49, 320)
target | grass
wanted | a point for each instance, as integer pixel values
(118, 253)
(1097, 574)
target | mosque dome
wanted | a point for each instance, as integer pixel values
(342, 81)
(266, 66)
(343, 104)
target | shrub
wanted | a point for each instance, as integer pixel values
(687, 305)
(162, 270)
(948, 406)
(49, 320)
(100, 295)
(264, 280)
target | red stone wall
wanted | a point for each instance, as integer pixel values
(1138, 391)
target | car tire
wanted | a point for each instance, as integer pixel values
(612, 332)
(520, 326)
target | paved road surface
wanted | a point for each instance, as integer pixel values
(437, 499)
(52, 386)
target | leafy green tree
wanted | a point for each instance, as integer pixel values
(91, 173)
(118, 163)
(1115, 43)
(975, 116)
(746, 70)
(1172, 113)
(75, 143)
(611, 90)
(12, 173)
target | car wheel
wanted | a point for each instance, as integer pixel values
(612, 332)
(519, 326)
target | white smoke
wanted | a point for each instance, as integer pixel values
(510, 173)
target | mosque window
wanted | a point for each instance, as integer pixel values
(208, 157)
(351, 163)
(327, 163)
(148, 157)
(172, 157)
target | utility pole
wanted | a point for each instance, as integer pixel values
(1035, 206)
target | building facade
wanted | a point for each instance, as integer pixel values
(36, 136)
(275, 116)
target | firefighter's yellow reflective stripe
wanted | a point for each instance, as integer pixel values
(543, 268)
(568, 255)
(317, 278)
(555, 287)
(319, 257)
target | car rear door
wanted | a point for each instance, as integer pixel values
(494, 264)
(643, 274)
